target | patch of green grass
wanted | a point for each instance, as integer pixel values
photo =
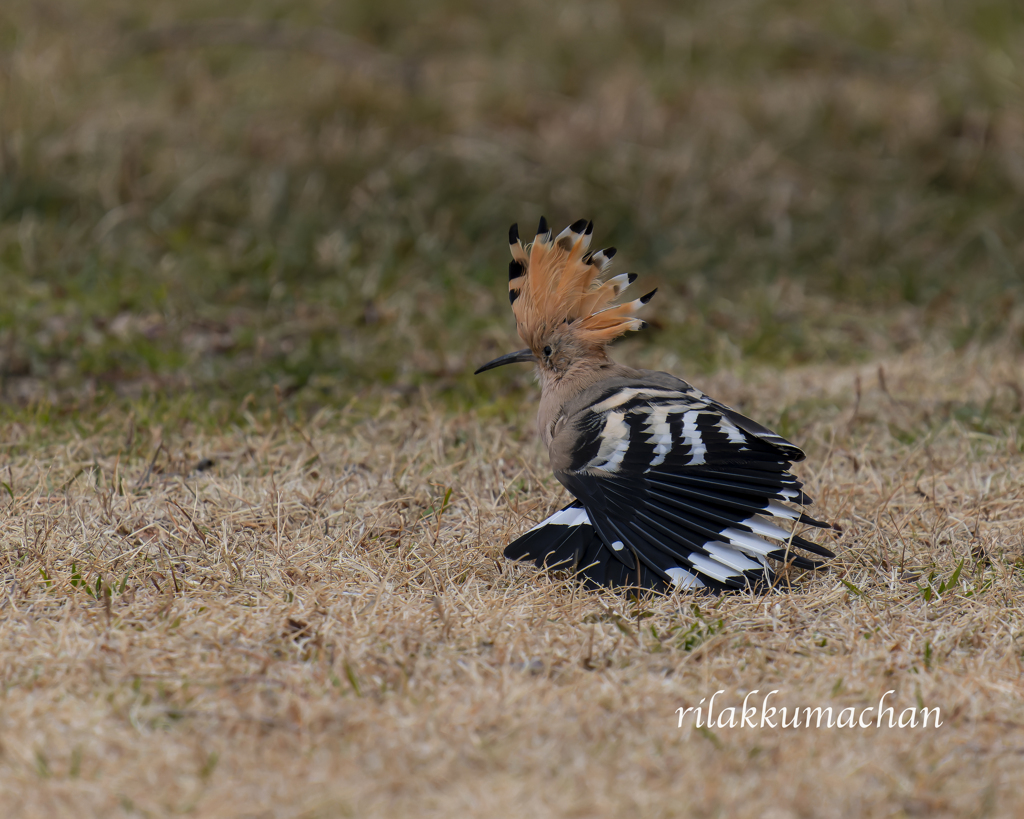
(807, 182)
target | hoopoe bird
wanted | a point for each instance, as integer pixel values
(672, 488)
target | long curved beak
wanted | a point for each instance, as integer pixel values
(518, 357)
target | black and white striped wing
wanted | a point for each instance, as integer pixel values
(672, 488)
(568, 540)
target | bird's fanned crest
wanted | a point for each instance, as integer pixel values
(556, 280)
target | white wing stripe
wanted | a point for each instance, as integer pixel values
(622, 396)
(747, 541)
(766, 529)
(732, 432)
(684, 579)
(573, 516)
(731, 557)
(693, 438)
(778, 510)
(712, 568)
(614, 443)
(660, 452)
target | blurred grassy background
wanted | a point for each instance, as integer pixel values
(313, 196)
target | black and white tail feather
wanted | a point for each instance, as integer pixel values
(673, 490)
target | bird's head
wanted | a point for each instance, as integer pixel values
(564, 310)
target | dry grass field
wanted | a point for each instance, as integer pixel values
(320, 623)
(253, 504)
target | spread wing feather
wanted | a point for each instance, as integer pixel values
(672, 489)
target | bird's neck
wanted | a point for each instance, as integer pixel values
(557, 390)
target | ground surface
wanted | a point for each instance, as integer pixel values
(252, 502)
(321, 624)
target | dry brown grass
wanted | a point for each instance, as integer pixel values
(305, 631)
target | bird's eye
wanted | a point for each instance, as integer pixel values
(547, 351)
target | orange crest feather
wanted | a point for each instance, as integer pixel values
(557, 280)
